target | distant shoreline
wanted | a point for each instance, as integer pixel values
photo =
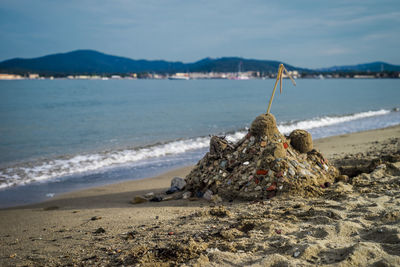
(199, 76)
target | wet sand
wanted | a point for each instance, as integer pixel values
(356, 222)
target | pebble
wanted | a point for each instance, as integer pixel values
(178, 182)
(208, 195)
(172, 190)
(296, 254)
(291, 172)
(99, 230)
(187, 195)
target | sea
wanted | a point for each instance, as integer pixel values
(58, 136)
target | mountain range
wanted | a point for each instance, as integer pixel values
(94, 62)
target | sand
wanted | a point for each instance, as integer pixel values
(355, 223)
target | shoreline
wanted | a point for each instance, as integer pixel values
(327, 145)
(99, 226)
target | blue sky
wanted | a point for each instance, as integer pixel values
(302, 33)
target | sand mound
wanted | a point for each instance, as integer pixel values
(264, 163)
(301, 141)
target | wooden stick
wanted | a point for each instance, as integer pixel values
(273, 91)
(280, 80)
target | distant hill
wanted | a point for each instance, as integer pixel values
(93, 62)
(232, 64)
(367, 67)
(86, 62)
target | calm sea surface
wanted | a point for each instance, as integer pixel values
(61, 135)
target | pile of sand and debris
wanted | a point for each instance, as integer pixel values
(261, 165)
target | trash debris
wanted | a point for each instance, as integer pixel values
(149, 195)
(261, 165)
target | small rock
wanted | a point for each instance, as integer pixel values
(95, 218)
(296, 254)
(172, 190)
(208, 195)
(187, 195)
(156, 199)
(178, 182)
(99, 230)
(223, 164)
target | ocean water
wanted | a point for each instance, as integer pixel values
(62, 135)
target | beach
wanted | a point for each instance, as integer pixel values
(355, 222)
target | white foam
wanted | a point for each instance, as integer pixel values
(48, 169)
(328, 120)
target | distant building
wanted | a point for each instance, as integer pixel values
(82, 77)
(33, 76)
(364, 76)
(4, 76)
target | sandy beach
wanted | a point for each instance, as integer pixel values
(356, 222)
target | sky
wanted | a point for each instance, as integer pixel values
(303, 33)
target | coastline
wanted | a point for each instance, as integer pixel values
(62, 229)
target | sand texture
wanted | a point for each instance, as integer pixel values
(354, 222)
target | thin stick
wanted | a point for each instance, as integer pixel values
(280, 80)
(273, 91)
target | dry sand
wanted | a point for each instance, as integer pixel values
(356, 223)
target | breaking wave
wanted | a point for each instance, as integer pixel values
(328, 120)
(24, 173)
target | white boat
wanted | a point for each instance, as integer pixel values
(179, 76)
